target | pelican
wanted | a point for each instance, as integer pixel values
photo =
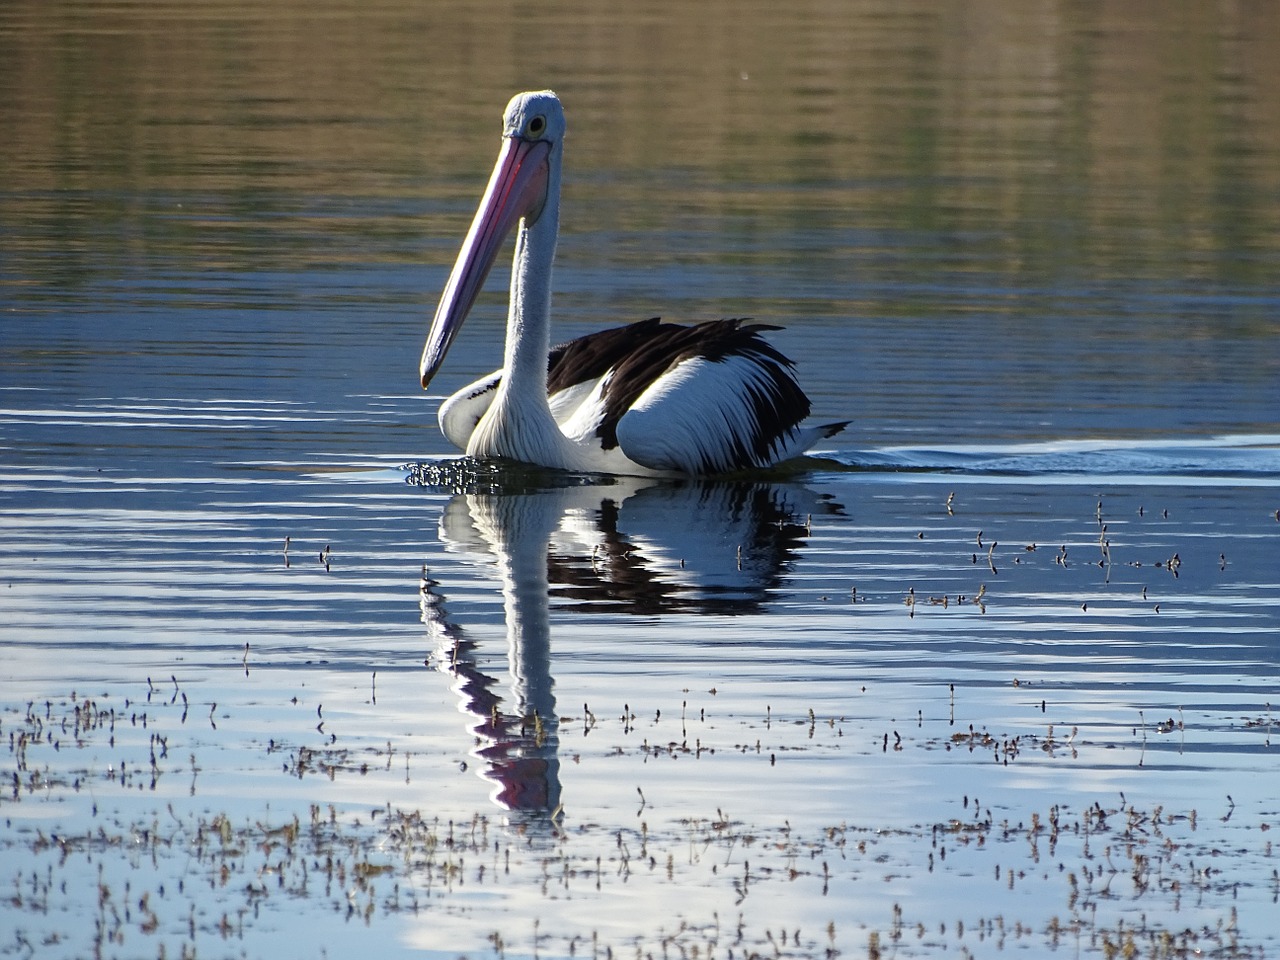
(649, 398)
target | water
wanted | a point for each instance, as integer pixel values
(997, 670)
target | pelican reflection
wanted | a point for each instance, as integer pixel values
(632, 546)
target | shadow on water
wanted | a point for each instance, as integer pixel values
(622, 546)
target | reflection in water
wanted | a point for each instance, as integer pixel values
(634, 546)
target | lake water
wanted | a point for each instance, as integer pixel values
(997, 671)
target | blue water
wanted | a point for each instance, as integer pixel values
(995, 669)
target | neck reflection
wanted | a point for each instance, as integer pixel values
(634, 546)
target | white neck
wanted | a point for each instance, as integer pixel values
(519, 424)
(529, 313)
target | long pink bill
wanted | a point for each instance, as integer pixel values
(517, 188)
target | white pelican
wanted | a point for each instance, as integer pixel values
(648, 398)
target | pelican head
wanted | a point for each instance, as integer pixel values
(523, 180)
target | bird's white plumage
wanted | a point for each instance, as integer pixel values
(459, 413)
(577, 408)
(693, 418)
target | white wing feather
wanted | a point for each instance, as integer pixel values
(693, 418)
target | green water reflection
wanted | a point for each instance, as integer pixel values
(1059, 138)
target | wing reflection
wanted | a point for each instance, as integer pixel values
(634, 546)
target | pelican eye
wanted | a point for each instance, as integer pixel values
(537, 126)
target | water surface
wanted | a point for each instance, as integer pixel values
(996, 670)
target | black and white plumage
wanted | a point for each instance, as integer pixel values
(645, 398)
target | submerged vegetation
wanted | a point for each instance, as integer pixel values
(135, 855)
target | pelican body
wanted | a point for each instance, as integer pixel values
(642, 399)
